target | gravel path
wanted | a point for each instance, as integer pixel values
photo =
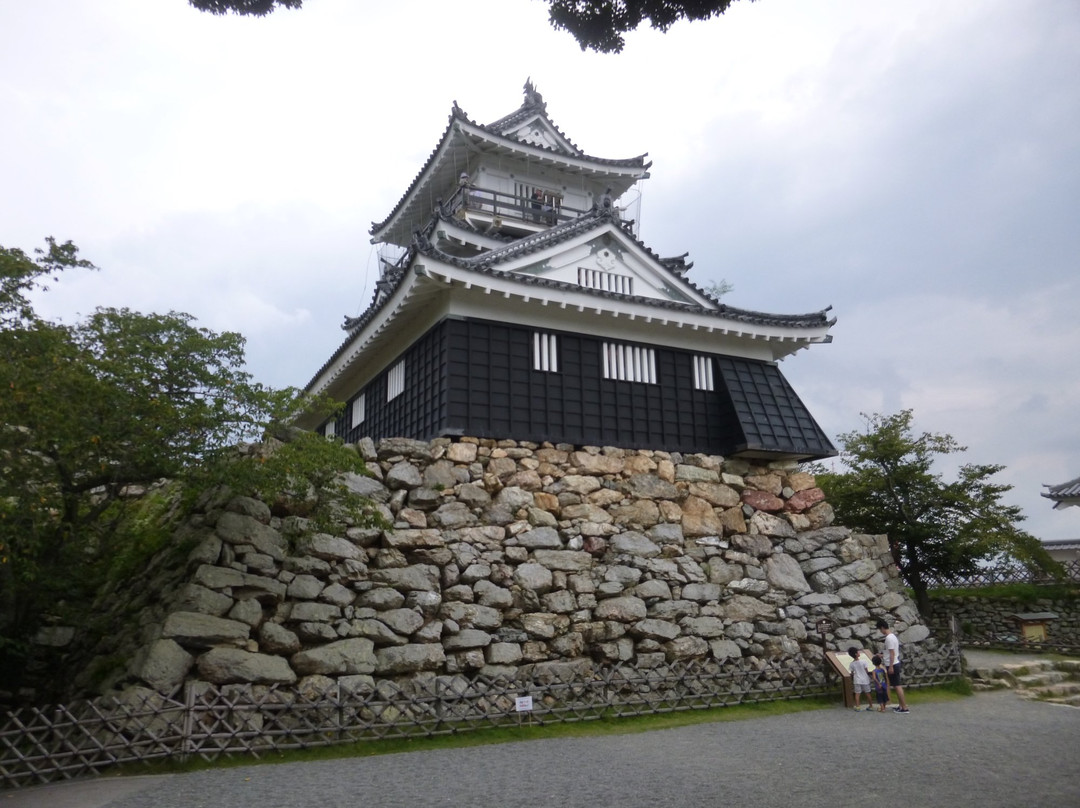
(995, 749)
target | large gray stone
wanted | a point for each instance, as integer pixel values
(365, 486)
(783, 572)
(402, 621)
(162, 664)
(622, 609)
(533, 577)
(328, 548)
(236, 528)
(416, 578)
(564, 560)
(223, 666)
(196, 598)
(193, 629)
(649, 486)
(633, 543)
(409, 658)
(546, 538)
(472, 615)
(653, 629)
(466, 639)
(307, 611)
(725, 649)
(274, 638)
(705, 626)
(403, 475)
(354, 655)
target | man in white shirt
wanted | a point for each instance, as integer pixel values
(892, 664)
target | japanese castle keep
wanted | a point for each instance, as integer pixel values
(516, 301)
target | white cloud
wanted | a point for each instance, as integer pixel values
(915, 165)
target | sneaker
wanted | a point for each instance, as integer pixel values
(901, 710)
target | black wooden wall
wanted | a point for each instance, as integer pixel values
(476, 377)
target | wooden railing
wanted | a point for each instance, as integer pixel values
(995, 576)
(548, 211)
(40, 745)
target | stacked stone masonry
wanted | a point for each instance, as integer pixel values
(505, 556)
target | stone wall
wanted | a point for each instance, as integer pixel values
(984, 617)
(505, 556)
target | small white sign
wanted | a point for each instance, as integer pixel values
(524, 704)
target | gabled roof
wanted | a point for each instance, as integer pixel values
(491, 261)
(1064, 494)
(415, 281)
(464, 140)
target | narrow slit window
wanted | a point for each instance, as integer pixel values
(629, 363)
(703, 373)
(395, 381)
(606, 281)
(359, 409)
(545, 352)
(330, 430)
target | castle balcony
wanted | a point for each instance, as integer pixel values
(520, 214)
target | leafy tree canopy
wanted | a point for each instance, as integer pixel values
(935, 527)
(93, 412)
(598, 25)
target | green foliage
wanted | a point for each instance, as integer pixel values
(599, 25)
(934, 527)
(95, 412)
(253, 8)
(719, 288)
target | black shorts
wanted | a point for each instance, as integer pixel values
(894, 676)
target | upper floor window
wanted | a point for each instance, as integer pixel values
(629, 363)
(395, 381)
(608, 281)
(359, 409)
(545, 352)
(703, 373)
(330, 430)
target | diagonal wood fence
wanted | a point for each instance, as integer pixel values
(41, 745)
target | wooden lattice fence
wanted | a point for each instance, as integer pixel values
(40, 745)
(1009, 574)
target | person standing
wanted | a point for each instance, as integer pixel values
(892, 664)
(881, 683)
(860, 677)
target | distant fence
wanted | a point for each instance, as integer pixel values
(41, 745)
(1012, 574)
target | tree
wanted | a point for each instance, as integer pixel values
(115, 403)
(719, 288)
(935, 528)
(254, 8)
(598, 25)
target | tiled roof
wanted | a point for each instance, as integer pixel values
(1064, 494)
(494, 130)
(489, 261)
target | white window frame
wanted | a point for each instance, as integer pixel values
(703, 373)
(395, 381)
(330, 430)
(545, 352)
(359, 409)
(629, 363)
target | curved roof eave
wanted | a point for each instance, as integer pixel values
(459, 122)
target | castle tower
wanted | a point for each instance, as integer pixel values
(516, 301)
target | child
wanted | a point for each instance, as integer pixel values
(881, 683)
(860, 677)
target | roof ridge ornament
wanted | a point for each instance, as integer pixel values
(532, 96)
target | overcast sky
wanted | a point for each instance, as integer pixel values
(915, 165)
